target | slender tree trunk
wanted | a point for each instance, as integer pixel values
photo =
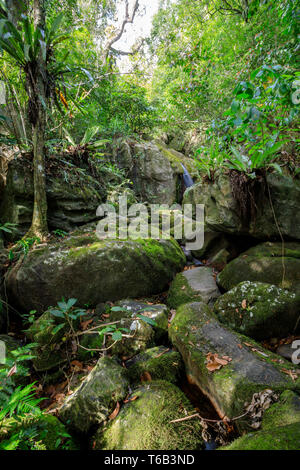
(39, 225)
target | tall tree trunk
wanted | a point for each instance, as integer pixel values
(39, 225)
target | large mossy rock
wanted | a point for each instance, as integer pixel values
(193, 285)
(144, 423)
(155, 170)
(95, 399)
(265, 263)
(259, 310)
(158, 363)
(92, 271)
(196, 332)
(72, 198)
(222, 210)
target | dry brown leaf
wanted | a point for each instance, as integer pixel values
(115, 413)
(131, 399)
(77, 364)
(211, 366)
(85, 324)
(146, 377)
(223, 362)
(214, 362)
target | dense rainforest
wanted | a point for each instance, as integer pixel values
(149, 225)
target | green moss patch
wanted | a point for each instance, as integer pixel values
(279, 438)
(145, 423)
(160, 362)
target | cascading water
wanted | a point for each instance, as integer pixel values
(187, 179)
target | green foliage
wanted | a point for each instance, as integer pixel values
(66, 311)
(15, 368)
(114, 331)
(60, 233)
(209, 159)
(25, 244)
(16, 401)
(7, 227)
(203, 56)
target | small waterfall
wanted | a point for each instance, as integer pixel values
(187, 179)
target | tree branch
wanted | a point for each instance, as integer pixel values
(128, 19)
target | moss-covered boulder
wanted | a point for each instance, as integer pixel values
(193, 285)
(245, 367)
(223, 210)
(145, 422)
(158, 363)
(45, 430)
(92, 271)
(265, 263)
(158, 313)
(73, 197)
(259, 310)
(94, 400)
(279, 438)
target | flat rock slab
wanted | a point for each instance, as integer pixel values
(196, 284)
(196, 332)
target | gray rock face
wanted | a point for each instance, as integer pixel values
(259, 310)
(264, 263)
(196, 284)
(72, 201)
(154, 169)
(222, 210)
(92, 271)
(197, 335)
(96, 397)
